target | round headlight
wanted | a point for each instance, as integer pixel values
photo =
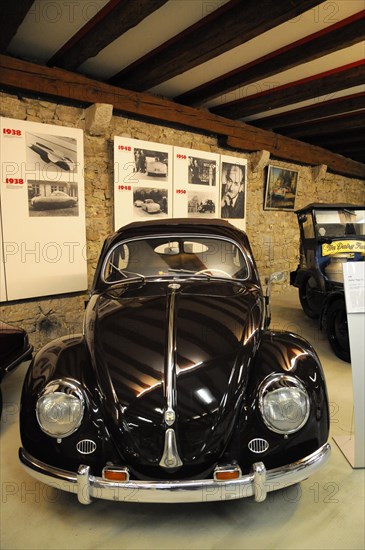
(283, 403)
(60, 408)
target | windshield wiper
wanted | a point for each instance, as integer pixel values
(127, 274)
(190, 272)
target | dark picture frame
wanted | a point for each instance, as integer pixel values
(281, 188)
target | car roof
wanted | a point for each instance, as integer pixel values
(176, 223)
(329, 206)
(161, 226)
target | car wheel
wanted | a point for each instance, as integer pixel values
(45, 157)
(307, 297)
(337, 330)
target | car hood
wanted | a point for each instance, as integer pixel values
(215, 327)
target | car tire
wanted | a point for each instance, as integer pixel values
(44, 157)
(307, 298)
(337, 330)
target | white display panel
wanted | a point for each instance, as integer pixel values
(142, 181)
(42, 209)
(196, 184)
(2, 265)
(353, 447)
(233, 190)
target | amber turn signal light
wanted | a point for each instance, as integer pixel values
(227, 473)
(224, 476)
(116, 474)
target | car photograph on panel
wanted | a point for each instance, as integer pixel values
(177, 390)
(53, 201)
(150, 206)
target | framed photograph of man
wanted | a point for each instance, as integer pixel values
(281, 188)
(233, 188)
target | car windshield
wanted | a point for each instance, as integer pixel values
(176, 256)
(340, 222)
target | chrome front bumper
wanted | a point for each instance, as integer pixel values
(257, 483)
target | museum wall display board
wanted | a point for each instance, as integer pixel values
(43, 238)
(153, 180)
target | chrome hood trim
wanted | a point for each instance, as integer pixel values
(170, 361)
(170, 457)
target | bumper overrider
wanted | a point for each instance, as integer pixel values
(257, 483)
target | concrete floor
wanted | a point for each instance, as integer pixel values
(325, 511)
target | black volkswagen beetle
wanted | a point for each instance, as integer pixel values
(176, 391)
(330, 236)
(14, 348)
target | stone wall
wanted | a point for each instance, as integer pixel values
(273, 235)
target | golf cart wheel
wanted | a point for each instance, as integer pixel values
(337, 330)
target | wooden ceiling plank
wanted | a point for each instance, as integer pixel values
(116, 18)
(358, 147)
(11, 17)
(318, 85)
(59, 84)
(344, 138)
(227, 27)
(322, 109)
(339, 123)
(341, 35)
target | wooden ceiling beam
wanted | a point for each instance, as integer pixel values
(11, 17)
(308, 153)
(116, 18)
(341, 35)
(225, 28)
(323, 126)
(322, 109)
(356, 147)
(312, 87)
(59, 84)
(330, 125)
(343, 138)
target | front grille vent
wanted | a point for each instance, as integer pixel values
(86, 446)
(258, 445)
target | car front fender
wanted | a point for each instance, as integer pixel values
(284, 353)
(63, 358)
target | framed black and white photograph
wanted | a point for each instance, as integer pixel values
(196, 180)
(47, 198)
(281, 188)
(150, 202)
(202, 171)
(150, 164)
(52, 153)
(142, 180)
(233, 190)
(201, 205)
